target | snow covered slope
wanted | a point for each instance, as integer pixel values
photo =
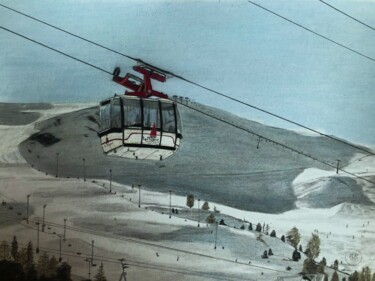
(215, 161)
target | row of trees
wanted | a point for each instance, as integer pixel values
(312, 251)
(17, 264)
(293, 237)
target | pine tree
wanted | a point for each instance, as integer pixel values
(211, 219)
(283, 238)
(300, 248)
(29, 254)
(190, 200)
(205, 206)
(52, 267)
(43, 263)
(322, 265)
(294, 237)
(273, 233)
(5, 251)
(250, 226)
(259, 227)
(335, 276)
(309, 266)
(22, 257)
(100, 274)
(354, 276)
(335, 265)
(373, 277)
(14, 249)
(313, 247)
(63, 272)
(365, 274)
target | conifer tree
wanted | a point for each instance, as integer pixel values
(336, 265)
(273, 233)
(365, 274)
(283, 238)
(205, 206)
(354, 276)
(250, 226)
(322, 265)
(313, 247)
(211, 219)
(309, 266)
(63, 272)
(22, 257)
(52, 266)
(100, 274)
(29, 254)
(335, 276)
(5, 251)
(190, 200)
(42, 265)
(14, 249)
(373, 277)
(259, 227)
(294, 237)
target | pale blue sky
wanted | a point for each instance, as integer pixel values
(230, 46)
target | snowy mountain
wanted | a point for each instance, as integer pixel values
(216, 161)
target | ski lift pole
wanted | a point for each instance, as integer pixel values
(216, 226)
(37, 237)
(139, 195)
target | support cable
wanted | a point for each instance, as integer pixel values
(55, 50)
(349, 16)
(205, 113)
(313, 32)
(140, 61)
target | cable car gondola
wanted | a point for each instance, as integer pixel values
(143, 123)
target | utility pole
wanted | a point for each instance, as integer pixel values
(89, 263)
(44, 215)
(198, 212)
(64, 229)
(57, 164)
(84, 169)
(60, 258)
(258, 143)
(92, 252)
(216, 225)
(27, 208)
(338, 166)
(170, 203)
(139, 194)
(110, 180)
(37, 238)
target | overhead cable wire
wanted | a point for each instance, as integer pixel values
(313, 32)
(145, 243)
(144, 265)
(249, 131)
(279, 144)
(55, 50)
(140, 61)
(349, 16)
